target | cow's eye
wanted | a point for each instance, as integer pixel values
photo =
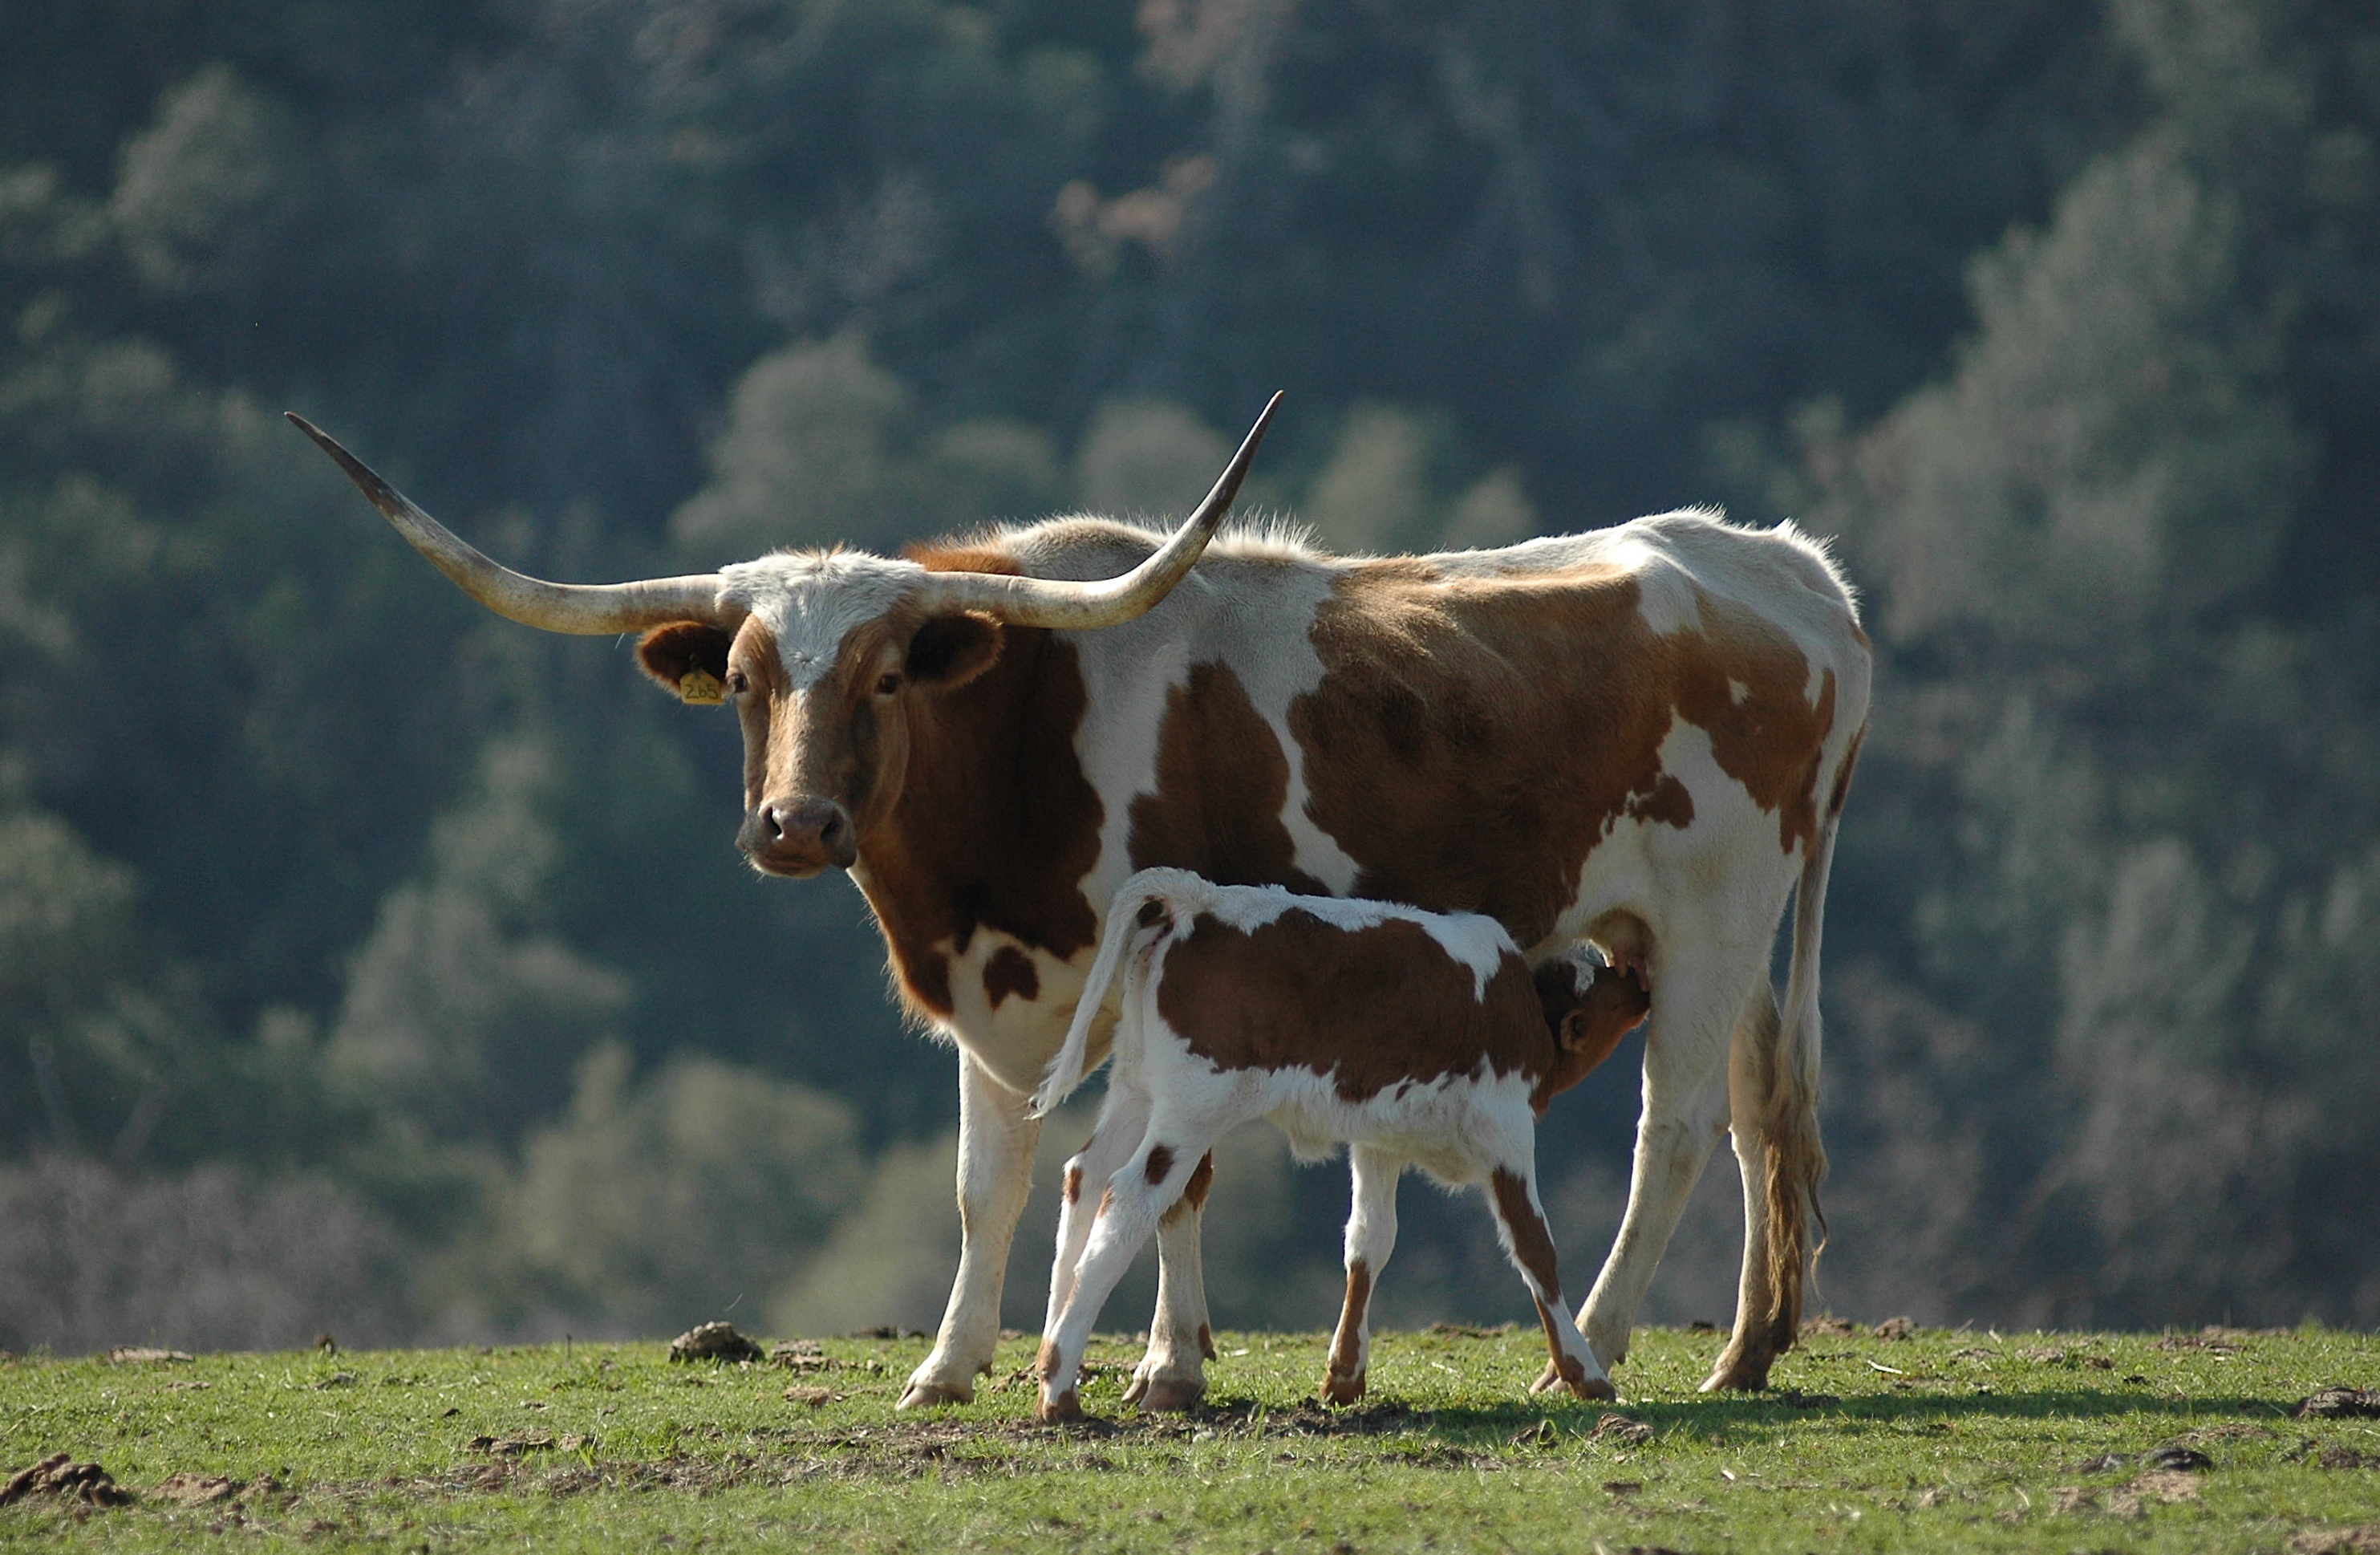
(737, 683)
(888, 684)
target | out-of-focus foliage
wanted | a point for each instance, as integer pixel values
(2064, 319)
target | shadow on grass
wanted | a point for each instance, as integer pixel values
(1713, 1421)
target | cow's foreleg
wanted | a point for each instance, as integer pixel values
(996, 1143)
(1701, 990)
(1371, 1237)
(1172, 1375)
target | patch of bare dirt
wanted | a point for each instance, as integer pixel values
(2358, 1541)
(145, 1354)
(2338, 1403)
(195, 1489)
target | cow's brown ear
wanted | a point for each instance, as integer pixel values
(950, 650)
(689, 657)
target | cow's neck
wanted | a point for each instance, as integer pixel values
(996, 824)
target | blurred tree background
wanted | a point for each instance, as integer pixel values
(370, 964)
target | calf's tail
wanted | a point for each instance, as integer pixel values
(1125, 919)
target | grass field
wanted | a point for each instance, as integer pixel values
(1938, 1441)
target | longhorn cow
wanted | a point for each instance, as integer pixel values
(1640, 737)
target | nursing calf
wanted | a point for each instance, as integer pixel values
(1414, 1037)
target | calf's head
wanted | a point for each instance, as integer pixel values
(1588, 1008)
(830, 660)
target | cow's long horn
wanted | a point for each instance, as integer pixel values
(1069, 605)
(585, 609)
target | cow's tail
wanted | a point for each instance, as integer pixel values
(1125, 920)
(1796, 1156)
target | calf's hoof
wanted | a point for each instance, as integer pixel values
(1595, 1390)
(1057, 1411)
(1340, 1387)
(935, 1395)
(1167, 1395)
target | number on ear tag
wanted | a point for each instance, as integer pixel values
(700, 686)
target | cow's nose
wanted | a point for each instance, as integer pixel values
(800, 833)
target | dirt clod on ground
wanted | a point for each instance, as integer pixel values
(144, 1354)
(1620, 1430)
(1825, 1323)
(713, 1342)
(59, 1475)
(196, 1489)
(1895, 1328)
(2340, 1403)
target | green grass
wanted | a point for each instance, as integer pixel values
(1942, 1440)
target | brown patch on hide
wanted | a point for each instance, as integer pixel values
(1532, 1244)
(1843, 775)
(1160, 1161)
(994, 823)
(1223, 782)
(1370, 1008)
(1010, 970)
(1074, 1184)
(1472, 739)
(1194, 1194)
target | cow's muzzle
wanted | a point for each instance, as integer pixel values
(798, 837)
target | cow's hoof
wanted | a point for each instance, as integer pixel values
(1066, 1406)
(1744, 1371)
(1169, 1395)
(1338, 1387)
(935, 1395)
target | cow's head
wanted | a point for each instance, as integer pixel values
(829, 659)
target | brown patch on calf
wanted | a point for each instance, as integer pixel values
(1074, 1184)
(1222, 784)
(1471, 740)
(1531, 1242)
(1010, 970)
(1160, 1161)
(1346, 1358)
(1371, 1008)
(1194, 1194)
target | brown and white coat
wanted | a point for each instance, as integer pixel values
(1640, 737)
(1415, 1038)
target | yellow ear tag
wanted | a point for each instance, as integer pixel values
(700, 687)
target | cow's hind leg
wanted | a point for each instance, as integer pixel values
(1371, 1237)
(1700, 985)
(996, 1143)
(1768, 1304)
(1173, 1374)
(1142, 1190)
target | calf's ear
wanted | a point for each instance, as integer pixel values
(688, 657)
(950, 650)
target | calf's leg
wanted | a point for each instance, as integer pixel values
(1521, 1225)
(1371, 1237)
(1124, 1119)
(1147, 1186)
(1172, 1375)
